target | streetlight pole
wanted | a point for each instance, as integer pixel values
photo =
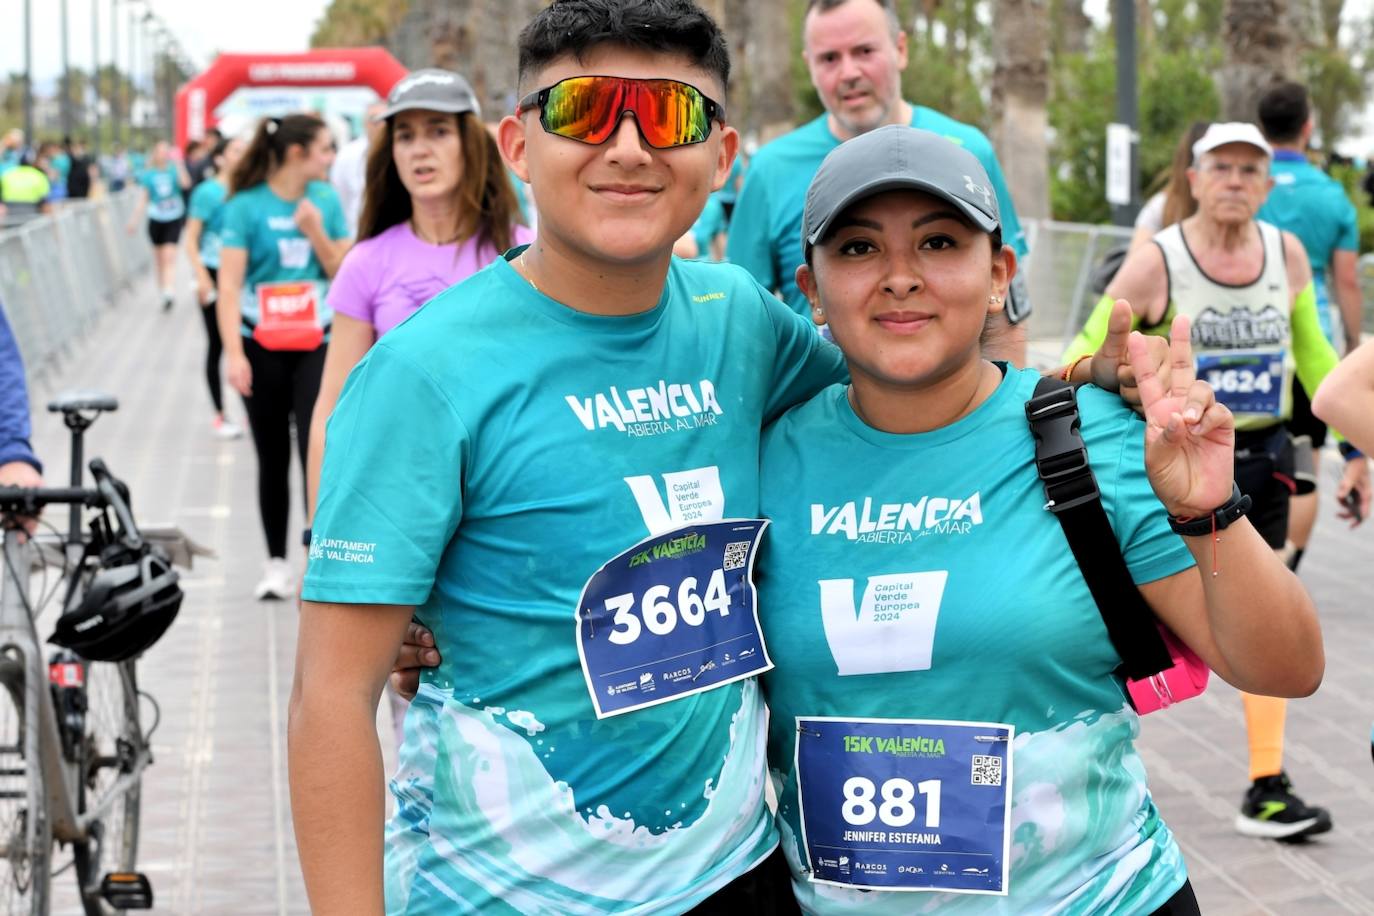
(114, 75)
(28, 72)
(1127, 111)
(95, 74)
(66, 107)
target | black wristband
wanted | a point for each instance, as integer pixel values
(1348, 451)
(1221, 517)
(305, 537)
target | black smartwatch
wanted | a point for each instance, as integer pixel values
(1221, 517)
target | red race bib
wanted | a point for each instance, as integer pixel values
(287, 316)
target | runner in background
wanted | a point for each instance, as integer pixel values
(437, 207)
(282, 237)
(161, 184)
(1314, 207)
(202, 250)
(855, 52)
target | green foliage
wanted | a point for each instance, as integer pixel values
(1082, 102)
(1176, 91)
(1352, 177)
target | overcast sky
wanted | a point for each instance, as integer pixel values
(202, 29)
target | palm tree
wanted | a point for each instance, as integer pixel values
(1260, 50)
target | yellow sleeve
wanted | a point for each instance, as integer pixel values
(1313, 354)
(1094, 331)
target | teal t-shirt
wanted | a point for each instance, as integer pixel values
(258, 221)
(1015, 638)
(207, 205)
(485, 458)
(1313, 206)
(765, 228)
(165, 203)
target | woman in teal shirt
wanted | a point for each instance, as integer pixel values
(160, 197)
(945, 713)
(282, 238)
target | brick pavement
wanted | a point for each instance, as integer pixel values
(217, 835)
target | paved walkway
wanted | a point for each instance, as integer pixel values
(216, 821)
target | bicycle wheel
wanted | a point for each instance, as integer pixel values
(25, 832)
(110, 750)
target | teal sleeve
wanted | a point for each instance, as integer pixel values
(1115, 439)
(204, 200)
(1349, 238)
(336, 224)
(804, 364)
(391, 488)
(749, 244)
(1012, 233)
(234, 229)
(1312, 352)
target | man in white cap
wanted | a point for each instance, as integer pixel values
(1247, 286)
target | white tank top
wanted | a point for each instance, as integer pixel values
(1242, 340)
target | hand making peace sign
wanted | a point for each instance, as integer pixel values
(1190, 439)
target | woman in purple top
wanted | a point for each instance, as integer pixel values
(437, 207)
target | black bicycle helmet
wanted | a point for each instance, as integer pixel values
(126, 608)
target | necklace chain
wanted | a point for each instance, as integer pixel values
(419, 235)
(525, 270)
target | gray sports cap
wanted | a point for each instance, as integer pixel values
(431, 90)
(896, 158)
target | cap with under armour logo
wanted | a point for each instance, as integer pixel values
(896, 158)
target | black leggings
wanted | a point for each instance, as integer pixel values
(285, 384)
(215, 349)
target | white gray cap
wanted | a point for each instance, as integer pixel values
(1222, 133)
(895, 158)
(431, 90)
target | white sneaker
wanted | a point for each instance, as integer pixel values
(277, 582)
(227, 429)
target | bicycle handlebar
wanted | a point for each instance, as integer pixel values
(29, 501)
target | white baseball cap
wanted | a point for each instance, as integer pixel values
(1222, 133)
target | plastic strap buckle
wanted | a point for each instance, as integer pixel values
(1061, 458)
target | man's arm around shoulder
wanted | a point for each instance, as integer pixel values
(344, 653)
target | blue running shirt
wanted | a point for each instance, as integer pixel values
(765, 233)
(1017, 638)
(485, 458)
(258, 221)
(1313, 206)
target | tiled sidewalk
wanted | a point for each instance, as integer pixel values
(216, 835)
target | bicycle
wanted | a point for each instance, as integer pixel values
(72, 744)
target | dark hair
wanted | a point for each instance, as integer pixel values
(267, 150)
(1283, 111)
(994, 239)
(484, 195)
(575, 27)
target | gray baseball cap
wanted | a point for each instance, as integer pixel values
(431, 90)
(895, 158)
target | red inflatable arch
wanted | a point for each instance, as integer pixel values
(197, 100)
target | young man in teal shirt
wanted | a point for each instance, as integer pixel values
(563, 424)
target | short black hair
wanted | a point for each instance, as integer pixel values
(575, 27)
(1283, 111)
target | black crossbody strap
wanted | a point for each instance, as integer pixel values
(1071, 494)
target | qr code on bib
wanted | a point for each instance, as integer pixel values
(987, 771)
(736, 555)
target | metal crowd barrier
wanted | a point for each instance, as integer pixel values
(1062, 260)
(58, 271)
